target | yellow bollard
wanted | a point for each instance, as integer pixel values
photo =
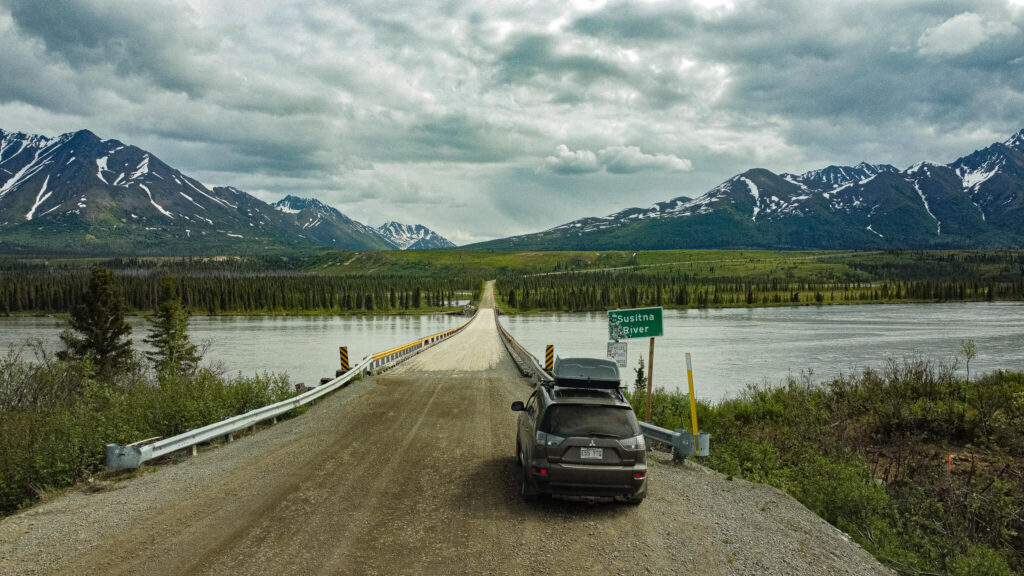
(693, 404)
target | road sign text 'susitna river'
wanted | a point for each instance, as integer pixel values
(634, 323)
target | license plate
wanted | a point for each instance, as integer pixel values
(591, 453)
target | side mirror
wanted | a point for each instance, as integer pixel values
(517, 406)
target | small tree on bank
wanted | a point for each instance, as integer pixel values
(640, 384)
(168, 334)
(968, 349)
(97, 329)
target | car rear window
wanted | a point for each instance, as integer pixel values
(586, 420)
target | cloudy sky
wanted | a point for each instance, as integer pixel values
(484, 119)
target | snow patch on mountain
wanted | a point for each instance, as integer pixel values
(1016, 141)
(42, 158)
(756, 194)
(974, 178)
(153, 202)
(100, 168)
(927, 208)
(142, 169)
(40, 198)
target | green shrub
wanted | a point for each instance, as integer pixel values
(979, 561)
(819, 443)
(57, 417)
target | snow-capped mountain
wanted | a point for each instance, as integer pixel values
(975, 201)
(412, 237)
(327, 226)
(76, 193)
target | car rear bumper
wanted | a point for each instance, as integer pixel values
(591, 481)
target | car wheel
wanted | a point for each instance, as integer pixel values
(519, 453)
(635, 501)
(526, 489)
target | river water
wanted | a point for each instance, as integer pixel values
(730, 348)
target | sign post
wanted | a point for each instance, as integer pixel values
(638, 323)
(650, 381)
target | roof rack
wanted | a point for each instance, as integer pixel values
(586, 373)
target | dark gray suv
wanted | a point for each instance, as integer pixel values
(579, 438)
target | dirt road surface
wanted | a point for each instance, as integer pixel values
(412, 472)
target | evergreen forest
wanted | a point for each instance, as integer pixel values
(754, 281)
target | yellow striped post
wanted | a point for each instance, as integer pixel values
(343, 354)
(693, 404)
(549, 358)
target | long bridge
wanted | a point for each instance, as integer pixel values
(413, 472)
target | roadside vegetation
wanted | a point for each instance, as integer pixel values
(922, 468)
(58, 411)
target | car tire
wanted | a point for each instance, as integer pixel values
(635, 501)
(526, 489)
(519, 453)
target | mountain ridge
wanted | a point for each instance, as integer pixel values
(976, 201)
(78, 194)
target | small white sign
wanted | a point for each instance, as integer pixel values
(617, 352)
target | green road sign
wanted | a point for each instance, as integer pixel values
(634, 323)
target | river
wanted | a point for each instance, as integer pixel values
(731, 348)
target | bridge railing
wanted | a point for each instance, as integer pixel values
(382, 361)
(527, 363)
(134, 455)
(683, 443)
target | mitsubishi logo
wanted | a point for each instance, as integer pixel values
(592, 443)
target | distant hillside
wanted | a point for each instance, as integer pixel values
(975, 202)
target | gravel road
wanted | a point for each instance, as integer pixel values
(412, 472)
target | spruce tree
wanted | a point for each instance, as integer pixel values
(168, 334)
(97, 329)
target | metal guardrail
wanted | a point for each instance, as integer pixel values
(527, 363)
(682, 442)
(133, 455)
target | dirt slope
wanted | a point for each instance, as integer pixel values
(412, 472)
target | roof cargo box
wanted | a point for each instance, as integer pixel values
(586, 373)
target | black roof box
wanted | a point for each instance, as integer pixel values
(586, 373)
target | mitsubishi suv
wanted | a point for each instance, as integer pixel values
(578, 437)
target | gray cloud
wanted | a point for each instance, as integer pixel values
(614, 159)
(566, 161)
(468, 117)
(962, 34)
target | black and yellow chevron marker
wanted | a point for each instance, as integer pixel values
(549, 358)
(343, 354)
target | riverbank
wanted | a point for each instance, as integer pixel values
(923, 469)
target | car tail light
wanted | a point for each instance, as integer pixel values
(545, 439)
(636, 443)
(541, 471)
(640, 475)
